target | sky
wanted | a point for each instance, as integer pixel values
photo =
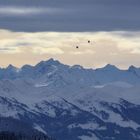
(35, 30)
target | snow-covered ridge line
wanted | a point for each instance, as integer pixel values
(73, 66)
(52, 70)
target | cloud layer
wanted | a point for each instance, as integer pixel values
(70, 16)
(24, 11)
(119, 48)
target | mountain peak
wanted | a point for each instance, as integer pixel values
(51, 61)
(109, 67)
(131, 68)
(77, 67)
(11, 67)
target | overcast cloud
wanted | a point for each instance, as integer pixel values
(70, 15)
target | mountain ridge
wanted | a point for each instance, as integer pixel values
(51, 60)
(71, 102)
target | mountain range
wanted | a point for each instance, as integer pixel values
(71, 102)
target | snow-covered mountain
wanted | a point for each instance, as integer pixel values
(71, 102)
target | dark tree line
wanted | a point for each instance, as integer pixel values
(14, 136)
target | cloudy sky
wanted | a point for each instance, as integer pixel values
(35, 30)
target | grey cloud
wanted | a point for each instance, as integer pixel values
(5, 49)
(74, 15)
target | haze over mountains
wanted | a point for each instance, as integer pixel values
(71, 102)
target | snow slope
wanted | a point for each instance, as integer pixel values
(71, 103)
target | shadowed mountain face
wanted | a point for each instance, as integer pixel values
(6, 135)
(53, 68)
(70, 102)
